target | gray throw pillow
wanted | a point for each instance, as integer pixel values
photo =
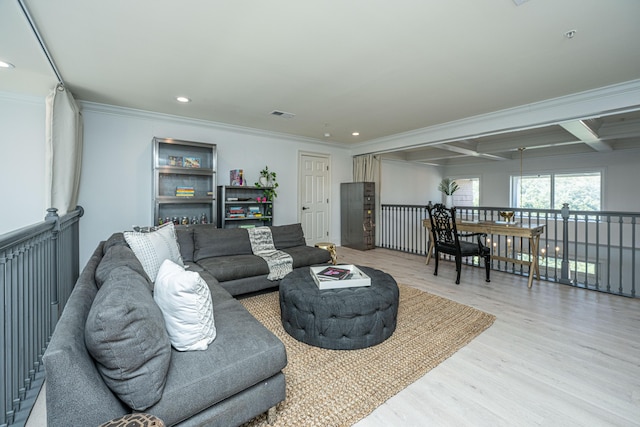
(126, 335)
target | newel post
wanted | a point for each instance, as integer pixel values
(564, 270)
(52, 216)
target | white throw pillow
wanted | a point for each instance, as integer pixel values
(154, 247)
(185, 301)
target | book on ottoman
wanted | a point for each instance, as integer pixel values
(342, 276)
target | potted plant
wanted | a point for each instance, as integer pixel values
(267, 180)
(448, 187)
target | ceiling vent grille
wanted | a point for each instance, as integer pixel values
(282, 114)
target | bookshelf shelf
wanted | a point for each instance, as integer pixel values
(184, 181)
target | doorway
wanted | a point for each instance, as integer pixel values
(315, 195)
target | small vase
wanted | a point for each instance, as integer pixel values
(263, 181)
(448, 201)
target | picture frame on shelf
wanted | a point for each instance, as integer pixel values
(191, 162)
(236, 178)
(175, 161)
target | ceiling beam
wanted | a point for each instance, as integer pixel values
(469, 152)
(581, 130)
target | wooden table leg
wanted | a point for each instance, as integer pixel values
(533, 266)
(431, 245)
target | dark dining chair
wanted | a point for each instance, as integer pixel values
(447, 239)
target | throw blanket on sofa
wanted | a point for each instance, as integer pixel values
(280, 263)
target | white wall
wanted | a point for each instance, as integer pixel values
(116, 184)
(409, 183)
(22, 147)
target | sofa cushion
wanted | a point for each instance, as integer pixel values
(154, 247)
(215, 242)
(233, 267)
(185, 301)
(304, 256)
(244, 353)
(119, 256)
(126, 335)
(287, 236)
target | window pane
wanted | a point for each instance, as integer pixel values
(532, 192)
(580, 191)
(469, 192)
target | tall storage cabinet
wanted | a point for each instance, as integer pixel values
(184, 181)
(357, 215)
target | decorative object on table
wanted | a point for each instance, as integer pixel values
(506, 216)
(236, 177)
(331, 247)
(191, 162)
(267, 181)
(448, 187)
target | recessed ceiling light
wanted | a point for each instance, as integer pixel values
(183, 99)
(355, 133)
(6, 65)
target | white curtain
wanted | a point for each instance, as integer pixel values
(63, 152)
(366, 168)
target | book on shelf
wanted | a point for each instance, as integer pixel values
(333, 273)
(185, 192)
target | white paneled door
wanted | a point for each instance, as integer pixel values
(314, 197)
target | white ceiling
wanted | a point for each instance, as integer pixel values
(378, 67)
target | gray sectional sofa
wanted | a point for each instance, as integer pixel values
(226, 254)
(238, 376)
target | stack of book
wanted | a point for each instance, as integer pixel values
(235, 212)
(254, 212)
(185, 192)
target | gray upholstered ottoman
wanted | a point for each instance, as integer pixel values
(340, 319)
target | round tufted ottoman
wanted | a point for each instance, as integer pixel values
(339, 319)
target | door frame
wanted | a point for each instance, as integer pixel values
(327, 157)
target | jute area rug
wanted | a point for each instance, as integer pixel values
(340, 387)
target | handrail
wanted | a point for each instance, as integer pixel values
(587, 249)
(39, 265)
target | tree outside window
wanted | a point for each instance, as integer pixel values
(582, 191)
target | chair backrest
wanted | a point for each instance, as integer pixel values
(443, 224)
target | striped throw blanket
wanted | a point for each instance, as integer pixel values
(280, 263)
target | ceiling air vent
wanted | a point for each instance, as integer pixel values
(282, 114)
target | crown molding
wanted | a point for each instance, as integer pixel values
(603, 101)
(224, 127)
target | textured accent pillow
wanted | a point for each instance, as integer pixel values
(154, 247)
(185, 301)
(126, 336)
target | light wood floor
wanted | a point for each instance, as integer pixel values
(556, 355)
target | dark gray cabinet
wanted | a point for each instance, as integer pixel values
(243, 207)
(357, 215)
